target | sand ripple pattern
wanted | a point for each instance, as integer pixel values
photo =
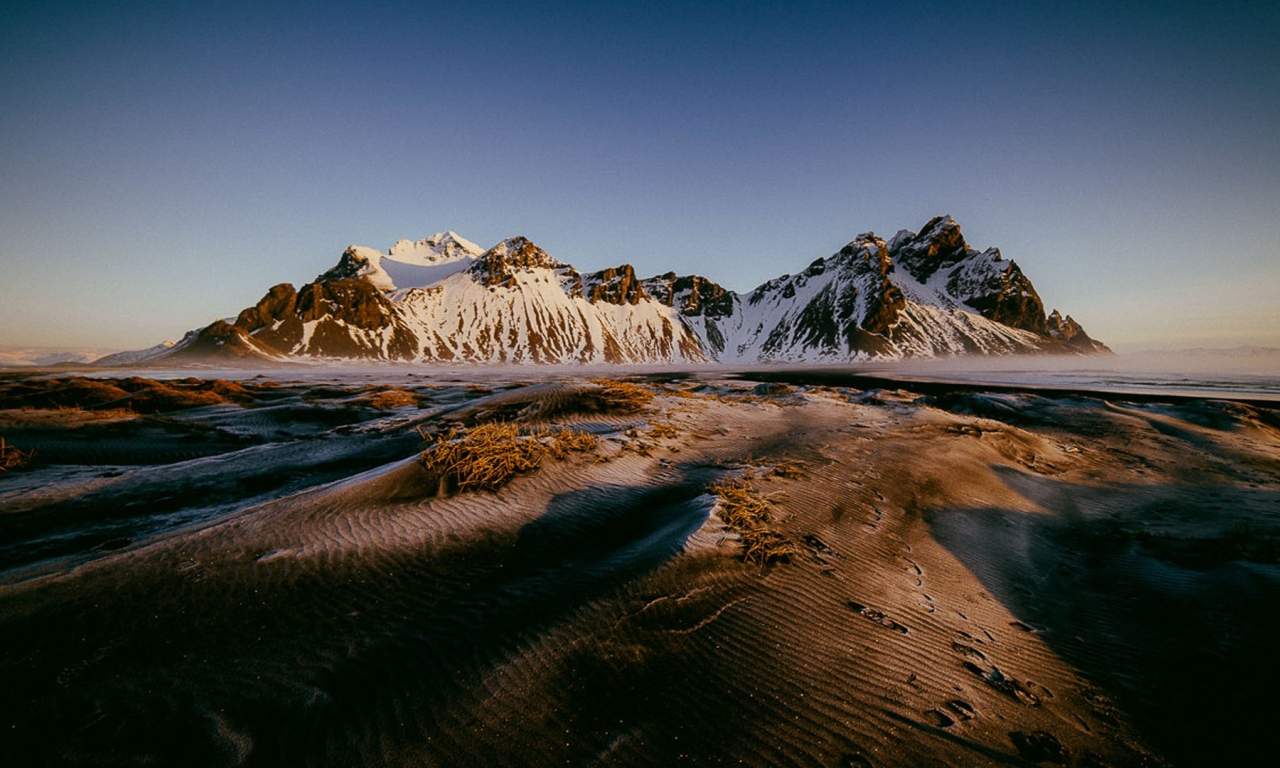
(958, 596)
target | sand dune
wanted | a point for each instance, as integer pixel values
(976, 578)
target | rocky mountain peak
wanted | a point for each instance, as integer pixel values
(866, 252)
(939, 244)
(1069, 332)
(615, 285)
(498, 265)
(356, 261)
(691, 295)
(867, 242)
(437, 248)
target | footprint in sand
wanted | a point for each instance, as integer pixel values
(1039, 747)
(913, 568)
(962, 709)
(878, 617)
(819, 548)
(1007, 685)
(968, 651)
(940, 719)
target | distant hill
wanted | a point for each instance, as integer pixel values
(39, 356)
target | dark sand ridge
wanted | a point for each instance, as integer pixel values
(968, 589)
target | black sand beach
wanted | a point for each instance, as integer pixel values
(755, 567)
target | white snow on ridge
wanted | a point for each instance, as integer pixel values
(535, 321)
(436, 249)
(413, 264)
(520, 305)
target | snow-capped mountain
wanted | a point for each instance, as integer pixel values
(444, 298)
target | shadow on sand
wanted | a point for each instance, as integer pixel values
(344, 662)
(1166, 598)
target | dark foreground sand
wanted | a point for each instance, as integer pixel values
(979, 578)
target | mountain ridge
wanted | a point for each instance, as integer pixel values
(444, 299)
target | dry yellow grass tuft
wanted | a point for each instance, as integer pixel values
(392, 397)
(622, 395)
(790, 469)
(483, 458)
(11, 457)
(732, 397)
(749, 513)
(568, 441)
(663, 431)
(489, 456)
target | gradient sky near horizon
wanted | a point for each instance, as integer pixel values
(163, 163)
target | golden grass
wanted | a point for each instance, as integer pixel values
(136, 393)
(568, 441)
(790, 469)
(123, 412)
(11, 457)
(483, 458)
(392, 397)
(732, 398)
(750, 513)
(621, 396)
(487, 457)
(663, 431)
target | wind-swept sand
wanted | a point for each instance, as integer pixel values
(976, 579)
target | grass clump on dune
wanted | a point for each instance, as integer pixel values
(147, 396)
(789, 469)
(487, 457)
(621, 396)
(567, 441)
(663, 431)
(11, 457)
(391, 398)
(483, 458)
(750, 514)
(732, 397)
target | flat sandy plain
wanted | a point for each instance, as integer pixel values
(263, 572)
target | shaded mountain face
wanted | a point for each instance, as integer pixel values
(442, 298)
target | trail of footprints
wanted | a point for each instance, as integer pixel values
(1036, 746)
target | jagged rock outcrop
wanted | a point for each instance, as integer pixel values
(615, 285)
(279, 303)
(690, 294)
(499, 265)
(1069, 332)
(444, 299)
(996, 288)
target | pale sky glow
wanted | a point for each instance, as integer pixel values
(162, 165)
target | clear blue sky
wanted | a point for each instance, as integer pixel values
(163, 163)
